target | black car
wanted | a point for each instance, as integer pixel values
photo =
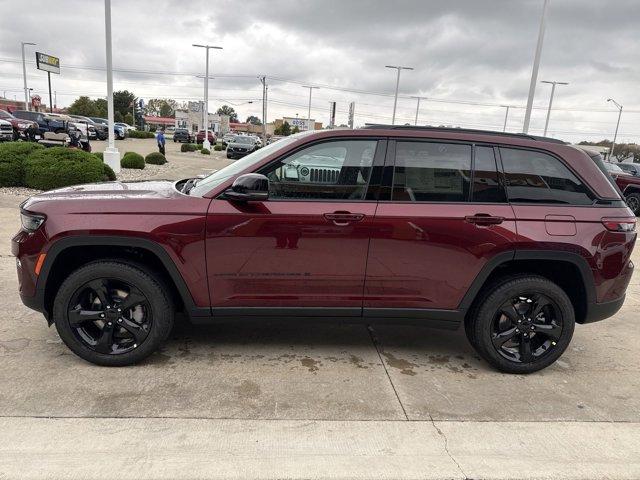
(182, 135)
(44, 121)
(632, 168)
(240, 146)
(119, 132)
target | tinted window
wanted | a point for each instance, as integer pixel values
(534, 177)
(486, 183)
(431, 172)
(330, 170)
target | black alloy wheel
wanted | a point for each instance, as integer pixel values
(633, 202)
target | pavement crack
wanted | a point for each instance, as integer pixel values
(446, 448)
(377, 345)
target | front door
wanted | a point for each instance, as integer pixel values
(440, 222)
(303, 251)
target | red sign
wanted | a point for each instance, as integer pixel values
(36, 101)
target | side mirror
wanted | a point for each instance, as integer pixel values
(251, 187)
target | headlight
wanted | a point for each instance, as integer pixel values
(23, 125)
(31, 221)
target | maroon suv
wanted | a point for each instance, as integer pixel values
(516, 237)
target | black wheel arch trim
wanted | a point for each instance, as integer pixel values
(38, 303)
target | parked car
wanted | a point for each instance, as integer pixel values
(628, 184)
(632, 168)
(119, 131)
(210, 136)
(435, 226)
(228, 137)
(183, 135)
(46, 122)
(6, 131)
(126, 126)
(96, 131)
(240, 146)
(25, 129)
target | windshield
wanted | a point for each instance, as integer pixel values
(613, 168)
(4, 114)
(216, 178)
(243, 140)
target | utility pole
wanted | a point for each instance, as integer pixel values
(24, 75)
(205, 143)
(418, 108)
(263, 80)
(534, 71)
(395, 99)
(506, 116)
(309, 111)
(111, 154)
(615, 135)
(553, 89)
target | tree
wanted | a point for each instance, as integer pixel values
(161, 107)
(123, 102)
(295, 129)
(227, 110)
(83, 106)
(117, 117)
(284, 130)
(253, 120)
(128, 119)
(101, 106)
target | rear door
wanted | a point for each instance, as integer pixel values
(442, 216)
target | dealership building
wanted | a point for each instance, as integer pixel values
(191, 119)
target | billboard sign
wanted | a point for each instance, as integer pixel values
(48, 63)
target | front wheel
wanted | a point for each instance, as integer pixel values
(112, 313)
(633, 202)
(522, 325)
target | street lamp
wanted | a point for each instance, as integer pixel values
(553, 89)
(395, 100)
(111, 154)
(309, 111)
(534, 71)
(24, 75)
(205, 143)
(615, 135)
(418, 108)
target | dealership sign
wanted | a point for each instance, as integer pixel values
(48, 63)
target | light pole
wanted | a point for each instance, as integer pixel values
(111, 154)
(395, 100)
(615, 135)
(506, 116)
(534, 71)
(24, 75)
(418, 108)
(309, 110)
(205, 143)
(553, 89)
(263, 81)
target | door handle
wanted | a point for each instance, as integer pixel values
(343, 218)
(484, 219)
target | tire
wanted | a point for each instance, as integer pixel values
(491, 328)
(633, 202)
(151, 328)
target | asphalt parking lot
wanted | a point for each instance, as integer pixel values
(326, 401)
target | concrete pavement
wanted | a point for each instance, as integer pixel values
(322, 401)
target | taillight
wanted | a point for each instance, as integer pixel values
(625, 224)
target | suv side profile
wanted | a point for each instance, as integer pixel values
(518, 238)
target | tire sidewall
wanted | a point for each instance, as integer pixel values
(160, 303)
(481, 333)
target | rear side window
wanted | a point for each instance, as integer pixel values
(535, 177)
(432, 172)
(486, 183)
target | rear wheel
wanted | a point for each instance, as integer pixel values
(112, 313)
(522, 325)
(633, 202)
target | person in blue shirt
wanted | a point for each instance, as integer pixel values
(161, 141)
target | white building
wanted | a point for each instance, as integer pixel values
(191, 119)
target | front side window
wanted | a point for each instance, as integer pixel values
(336, 170)
(432, 172)
(535, 177)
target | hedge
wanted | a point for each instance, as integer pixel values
(155, 158)
(12, 158)
(58, 167)
(140, 134)
(132, 160)
(205, 151)
(109, 174)
(100, 155)
(218, 148)
(189, 147)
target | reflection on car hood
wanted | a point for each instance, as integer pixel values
(107, 191)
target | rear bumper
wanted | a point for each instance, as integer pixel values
(601, 311)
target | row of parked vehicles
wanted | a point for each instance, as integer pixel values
(237, 145)
(32, 126)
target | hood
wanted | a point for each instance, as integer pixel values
(107, 191)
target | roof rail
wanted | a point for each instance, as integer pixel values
(375, 126)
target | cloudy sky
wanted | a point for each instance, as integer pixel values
(469, 56)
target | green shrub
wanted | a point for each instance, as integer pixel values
(205, 151)
(140, 134)
(100, 155)
(58, 167)
(155, 158)
(109, 174)
(189, 147)
(218, 148)
(12, 158)
(132, 160)
(152, 129)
